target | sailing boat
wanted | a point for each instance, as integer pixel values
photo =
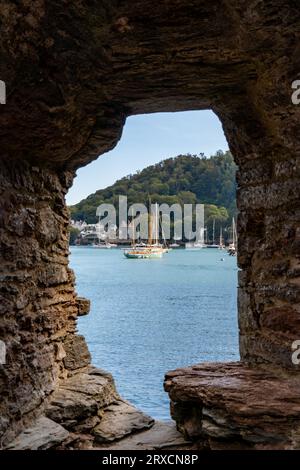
(213, 245)
(221, 245)
(105, 244)
(232, 249)
(198, 244)
(150, 250)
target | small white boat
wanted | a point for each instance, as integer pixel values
(198, 244)
(194, 246)
(102, 246)
(174, 245)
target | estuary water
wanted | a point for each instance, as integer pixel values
(151, 316)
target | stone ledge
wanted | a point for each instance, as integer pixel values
(88, 405)
(43, 435)
(162, 435)
(81, 397)
(235, 405)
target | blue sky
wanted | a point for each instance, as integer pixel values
(148, 139)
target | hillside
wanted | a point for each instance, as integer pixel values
(184, 179)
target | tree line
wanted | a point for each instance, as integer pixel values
(185, 179)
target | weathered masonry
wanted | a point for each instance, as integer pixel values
(74, 71)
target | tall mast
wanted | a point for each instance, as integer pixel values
(233, 232)
(214, 222)
(156, 224)
(201, 239)
(221, 237)
(98, 231)
(133, 230)
(150, 224)
(163, 235)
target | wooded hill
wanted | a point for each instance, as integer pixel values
(184, 179)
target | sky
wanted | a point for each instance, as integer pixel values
(147, 139)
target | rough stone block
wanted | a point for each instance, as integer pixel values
(83, 305)
(77, 353)
(250, 406)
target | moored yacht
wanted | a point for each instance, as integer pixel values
(150, 250)
(213, 244)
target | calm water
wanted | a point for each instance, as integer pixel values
(150, 316)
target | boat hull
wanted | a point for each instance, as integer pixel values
(141, 255)
(102, 247)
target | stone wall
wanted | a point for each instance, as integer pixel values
(74, 72)
(38, 304)
(269, 248)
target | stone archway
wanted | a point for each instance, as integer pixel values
(73, 74)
